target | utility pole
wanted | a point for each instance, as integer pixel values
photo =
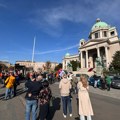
(33, 49)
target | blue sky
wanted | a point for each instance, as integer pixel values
(57, 24)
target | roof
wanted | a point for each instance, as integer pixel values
(100, 24)
(67, 54)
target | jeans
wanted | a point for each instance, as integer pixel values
(108, 87)
(31, 105)
(8, 93)
(66, 103)
(95, 83)
(82, 117)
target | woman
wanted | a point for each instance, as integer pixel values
(65, 87)
(85, 108)
(44, 99)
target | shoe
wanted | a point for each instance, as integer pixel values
(70, 115)
(64, 115)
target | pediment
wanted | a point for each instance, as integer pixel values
(92, 42)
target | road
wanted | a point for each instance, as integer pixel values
(105, 108)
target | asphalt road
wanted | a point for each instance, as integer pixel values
(105, 108)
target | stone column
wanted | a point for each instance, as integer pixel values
(86, 58)
(98, 52)
(81, 57)
(106, 54)
(63, 67)
(100, 34)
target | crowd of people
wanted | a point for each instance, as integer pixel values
(104, 81)
(10, 81)
(39, 95)
(85, 107)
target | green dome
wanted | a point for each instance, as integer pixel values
(67, 55)
(99, 24)
(82, 40)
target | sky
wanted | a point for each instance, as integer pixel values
(57, 25)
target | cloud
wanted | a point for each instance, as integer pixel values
(51, 20)
(58, 50)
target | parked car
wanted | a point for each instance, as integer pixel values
(91, 81)
(78, 76)
(115, 82)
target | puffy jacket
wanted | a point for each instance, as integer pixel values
(10, 81)
(65, 87)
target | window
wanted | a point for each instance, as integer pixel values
(112, 33)
(96, 35)
(105, 34)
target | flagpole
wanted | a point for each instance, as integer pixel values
(33, 49)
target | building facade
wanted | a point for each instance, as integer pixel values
(6, 63)
(102, 44)
(36, 65)
(68, 58)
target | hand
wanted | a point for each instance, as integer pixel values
(29, 94)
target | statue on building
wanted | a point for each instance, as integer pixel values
(69, 67)
(99, 65)
(98, 61)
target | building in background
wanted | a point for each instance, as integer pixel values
(5, 62)
(102, 44)
(68, 58)
(37, 66)
(99, 49)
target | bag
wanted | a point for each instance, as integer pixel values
(51, 101)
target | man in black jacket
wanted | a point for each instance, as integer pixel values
(33, 88)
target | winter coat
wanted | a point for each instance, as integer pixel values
(74, 82)
(10, 81)
(108, 80)
(65, 87)
(45, 95)
(85, 107)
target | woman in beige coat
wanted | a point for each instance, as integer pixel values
(85, 107)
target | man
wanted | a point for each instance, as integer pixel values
(9, 86)
(95, 80)
(33, 88)
(74, 82)
(108, 82)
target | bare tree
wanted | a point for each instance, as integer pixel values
(48, 66)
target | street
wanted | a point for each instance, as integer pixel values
(105, 108)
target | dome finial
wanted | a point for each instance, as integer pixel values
(98, 20)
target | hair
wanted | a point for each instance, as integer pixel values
(45, 83)
(84, 81)
(64, 76)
